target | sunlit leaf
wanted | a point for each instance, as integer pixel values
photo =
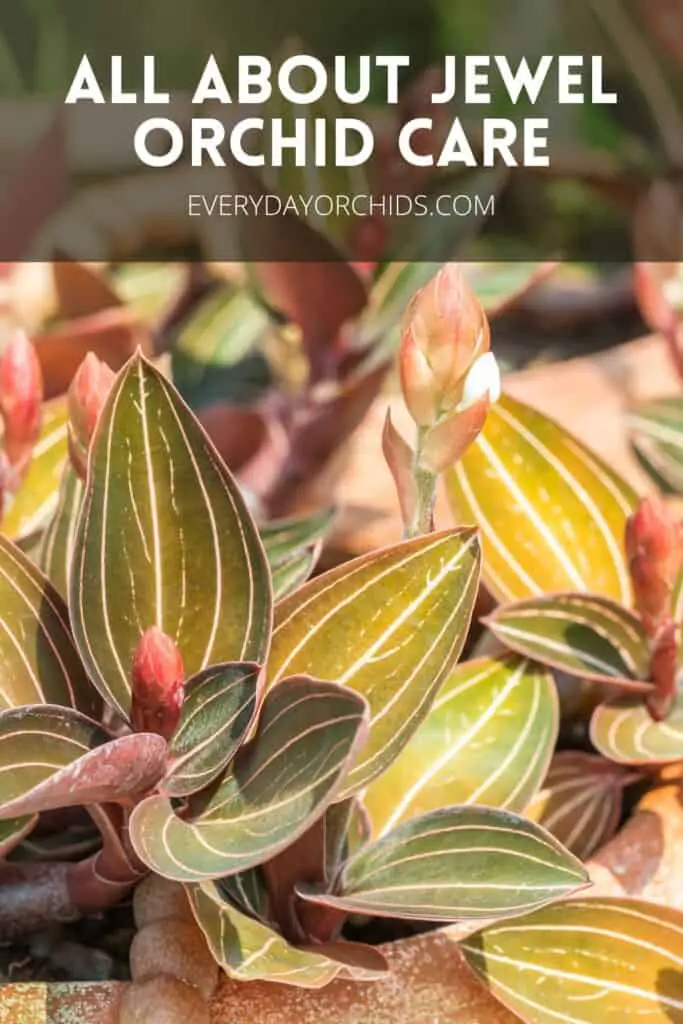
(551, 513)
(390, 626)
(580, 634)
(488, 740)
(275, 788)
(588, 961)
(624, 731)
(35, 501)
(147, 288)
(457, 862)
(57, 543)
(657, 436)
(164, 538)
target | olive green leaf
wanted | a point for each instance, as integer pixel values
(13, 831)
(293, 571)
(552, 514)
(30, 509)
(656, 430)
(148, 288)
(457, 862)
(40, 663)
(389, 625)
(56, 757)
(58, 540)
(587, 961)
(580, 634)
(624, 731)
(677, 599)
(284, 537)
(488, 739)
(249, 950)
(219, 706)
(581, 800)
(278, 784)
(164, 538)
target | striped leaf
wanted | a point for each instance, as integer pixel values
(164, 538)
(30, 509)
(623, 731)
(581, 801)
(390, 626)
(38, 658)
(289, 575)
(275, 788)
(57, 543)
(582, 635)
(249, 950)
(56, 757)
(551, 513)
(284, 537)
(13, 831)
(588, 961)
(220, 704)
(456, 863)
(656, 430)
(488, 739)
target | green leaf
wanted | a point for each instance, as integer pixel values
(219, 706)
(13, 831)
(57, 544)
(249, 950)
(148, 288)
(677, 599)
(456, 863)
(500, 284)
(657, 436)
(275, 788)
(30, 509)
(488, 739)
(390, 626)
(552, 514)
(624, 731)
(582, 635)
(283, 538)
(289, 575)
(588, 961)
(581, 801)
(56, 757)
(164, 538)
(37, 655)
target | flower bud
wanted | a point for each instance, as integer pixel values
(445, 331)
(88, 392)
(663, 671)
(654, 552)
(157, 683)
(21, 396)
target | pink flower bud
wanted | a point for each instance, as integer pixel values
(87, 395)
(445, 331)
(654, 552)
(21, 397)
(157, 681)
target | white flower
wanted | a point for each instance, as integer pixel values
(482, 378)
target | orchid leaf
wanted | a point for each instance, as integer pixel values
(39, 661)
(13, 831)
(657, 436)
(277, 785)
(551, 513)
(58, 540)
(247, 891)
(249, 950)
(588, 961)
(677, 599)
(56, 757)
(624, 731)
(282, 538)
(35, 501)
(390, 625)
(219, 706)
(456, 863)
(582, 635)
(488, 739)
(292, 572)
(581, 800)
(164, 538)
(148, 288)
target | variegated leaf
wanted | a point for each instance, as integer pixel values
(656, 430)
(551, 513)
(56, 757)
(13, 831)
(164, 538)
(457, 862)
(580, 634)
(30, 509)
(247, 891)
(389, 625)
(624, 731)
(277, 785)
(294, 571)
(581, 800)
(249, 950)
(587, 961)
(283, 538)
(57, 542)
(488, 739)
(38, 659)
(219, 706)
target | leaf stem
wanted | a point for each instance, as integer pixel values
(422, 521)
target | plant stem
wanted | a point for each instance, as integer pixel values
(425, 489)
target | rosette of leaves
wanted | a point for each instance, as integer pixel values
(292, 711)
